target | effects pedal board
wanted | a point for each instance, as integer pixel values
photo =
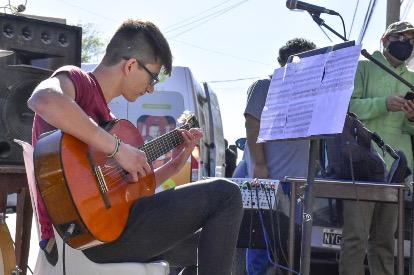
(258, 193)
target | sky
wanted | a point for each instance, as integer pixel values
(222, 41)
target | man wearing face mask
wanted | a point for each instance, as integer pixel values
(378, 100)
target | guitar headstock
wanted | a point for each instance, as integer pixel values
(189, 119)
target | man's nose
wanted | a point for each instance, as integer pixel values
(150, 89)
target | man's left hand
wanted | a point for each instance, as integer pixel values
(191, 139)
(408, 109)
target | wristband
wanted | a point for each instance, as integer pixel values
(116, 149)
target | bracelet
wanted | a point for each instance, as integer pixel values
(116, 149)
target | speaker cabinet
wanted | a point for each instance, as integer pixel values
(40, 43)
(40, 46)
(17, 83)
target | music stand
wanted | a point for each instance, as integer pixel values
(279, 121)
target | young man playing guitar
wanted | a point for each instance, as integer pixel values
(162, 226)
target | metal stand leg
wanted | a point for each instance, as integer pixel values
(412, 237)
(292, 213)
(400, 244)
(307, 210)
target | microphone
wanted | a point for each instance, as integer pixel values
(298, 5)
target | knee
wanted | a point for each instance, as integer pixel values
(229, 188)
(232, 192)
(226, 193)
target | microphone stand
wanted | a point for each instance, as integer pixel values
(308, 192)
(321, 22)
(316, 17)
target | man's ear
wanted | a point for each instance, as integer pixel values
(127, 67)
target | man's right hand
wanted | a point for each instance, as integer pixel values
(395, 103)
(260, 172)
(134, 161)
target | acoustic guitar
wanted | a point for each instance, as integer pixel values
(88, 193)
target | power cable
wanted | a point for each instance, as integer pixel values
(233, 80)
(353, 19)
(91, 12)
(183, 42)
(231, 89)
(206, 19)
(367, 20)
(406, 10)
(221, 53)
(194, 16)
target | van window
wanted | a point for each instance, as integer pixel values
(155, 115)
(152, 127)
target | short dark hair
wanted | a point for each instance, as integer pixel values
(141, 40)
(294, 46)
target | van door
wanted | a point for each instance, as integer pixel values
(217, 146)
(204, 120)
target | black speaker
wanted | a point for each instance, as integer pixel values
(40, 43)
(40, 46)
(16, 85)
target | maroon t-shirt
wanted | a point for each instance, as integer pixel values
(90, 98)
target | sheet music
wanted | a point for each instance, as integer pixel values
(311, 96)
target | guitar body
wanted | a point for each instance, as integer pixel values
(83, 187)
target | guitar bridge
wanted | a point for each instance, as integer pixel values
(103, 188)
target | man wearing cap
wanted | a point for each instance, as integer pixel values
(378, 100)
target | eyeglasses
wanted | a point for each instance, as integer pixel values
(401, 38)
(154, 79)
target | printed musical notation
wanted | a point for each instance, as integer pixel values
(310, 96)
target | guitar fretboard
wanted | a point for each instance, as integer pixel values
(163, 144)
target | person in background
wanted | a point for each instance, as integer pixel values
(194, 226)
(378, 101)
(273, 159)
(230, 159)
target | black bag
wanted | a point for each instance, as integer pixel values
(350, 156)
(399, 170)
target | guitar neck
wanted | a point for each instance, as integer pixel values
(163, 144)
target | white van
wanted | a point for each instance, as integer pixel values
(215, 157)
(157, 114)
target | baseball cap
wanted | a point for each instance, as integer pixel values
(399, 27)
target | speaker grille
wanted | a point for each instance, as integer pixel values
(15, 117)
(36, 38)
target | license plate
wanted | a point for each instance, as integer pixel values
(332, 237)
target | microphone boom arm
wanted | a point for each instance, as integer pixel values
(321, 22)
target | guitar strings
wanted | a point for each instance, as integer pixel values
(153, 150)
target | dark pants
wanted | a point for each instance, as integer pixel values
(164, 226)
